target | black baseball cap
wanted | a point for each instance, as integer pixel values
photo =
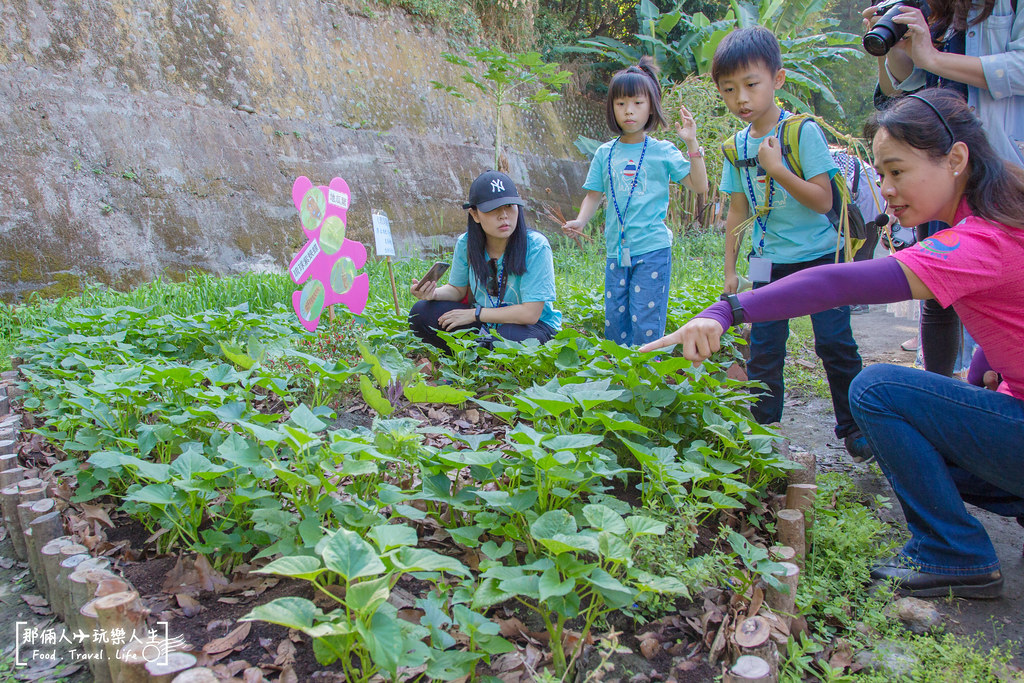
(492, 189)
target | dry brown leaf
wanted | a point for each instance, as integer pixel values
(209, 578)
(6, 562)
(230, 641)
(157, 535)
(34, 600)
(649, 646)
(189, 605)
(253, 675)
(510, 661)
(755, 602)
(219, 623)
(288, 676)
(285, 654)
(97, 513)
(413, 616)
(843, 655)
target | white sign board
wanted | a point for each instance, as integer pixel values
(382, 234)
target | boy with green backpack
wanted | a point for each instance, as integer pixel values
(789, 230)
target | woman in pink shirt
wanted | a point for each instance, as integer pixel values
(940, 441)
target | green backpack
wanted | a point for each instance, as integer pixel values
(845, 216)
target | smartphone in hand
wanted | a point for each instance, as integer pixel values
(434, 274)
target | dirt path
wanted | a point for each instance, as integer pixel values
(808, 422)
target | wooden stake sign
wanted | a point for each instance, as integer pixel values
(327, 264)
(385, 246)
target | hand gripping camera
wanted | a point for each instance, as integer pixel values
(884, 34)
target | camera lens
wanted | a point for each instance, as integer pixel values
(878, 43)
(884, 34)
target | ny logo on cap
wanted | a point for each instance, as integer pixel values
(497, 185)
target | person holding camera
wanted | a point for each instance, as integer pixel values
(976, 49)
(505, 269)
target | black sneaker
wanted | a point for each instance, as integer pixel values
(858, 448)
(913, 582)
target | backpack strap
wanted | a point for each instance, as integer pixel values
(730, 153)
(789, 136)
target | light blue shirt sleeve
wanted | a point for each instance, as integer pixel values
(538, 283)
(596, 175)
(730, 178)
(458, 276)
(678, 164)
(815, 158)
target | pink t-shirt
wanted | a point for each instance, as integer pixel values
(978, 267)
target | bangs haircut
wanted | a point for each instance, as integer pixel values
(744, 48)
(641, 79)
(515, 249)
(995, 187)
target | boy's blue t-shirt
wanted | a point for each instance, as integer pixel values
(536, 284)
(645, 221)
(794, 233)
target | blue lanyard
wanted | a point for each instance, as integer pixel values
(763, 224)
(615, 202)
(496, 303)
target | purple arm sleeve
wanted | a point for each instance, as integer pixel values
(880, 281)
(979, 366)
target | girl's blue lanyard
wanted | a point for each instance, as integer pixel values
(769, 191)
(624, 259)
(496, 303)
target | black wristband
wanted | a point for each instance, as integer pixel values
(478, 309)
(737, 309)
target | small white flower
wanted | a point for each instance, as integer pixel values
(634, 318)
(654, 275)
(607, 295)
(622, 282)
(650, 305)
(637, 289)
(623, 335)
(622, 309)
(650, 333)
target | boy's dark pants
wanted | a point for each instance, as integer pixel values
(833, 342)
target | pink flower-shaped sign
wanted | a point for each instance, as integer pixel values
(328, 262)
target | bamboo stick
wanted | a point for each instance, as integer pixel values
(198, 675)
(791, 532)
(95, 655)
(120, 613)
(801, 497)
(28, 511)
(165, 671)
(753, 637)
(807, 472)
(749, 669)
(784, 603)
(41, 531)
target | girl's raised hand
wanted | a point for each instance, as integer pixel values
(699, 338)
(686, 127)
(424, 293)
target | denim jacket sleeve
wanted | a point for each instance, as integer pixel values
(999, 43)
(1000, 46)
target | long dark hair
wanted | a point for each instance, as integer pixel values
(515, 250)
(948, 14)
(995, 188)
(640, 79)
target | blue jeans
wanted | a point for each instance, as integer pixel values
(833, 342)
(636, 298)
(941, 442)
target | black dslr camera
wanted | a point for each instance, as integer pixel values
(884, 34)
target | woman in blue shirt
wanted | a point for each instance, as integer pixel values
(505, 268)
